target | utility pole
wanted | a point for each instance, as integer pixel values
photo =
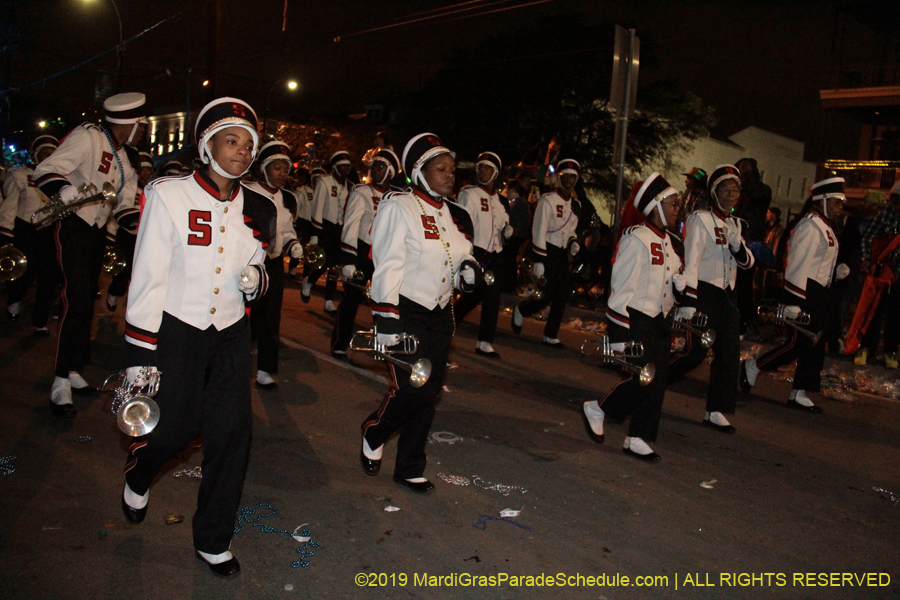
(626, 61)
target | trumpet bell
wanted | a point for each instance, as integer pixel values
(113, 261)
(13, 263)
(421, 371)
(314, 256)
(708, 338)
(648, 372)
(138, 416)
(489, 278)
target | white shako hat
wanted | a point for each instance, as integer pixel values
(146, 159)
(490, 158)
(341, 157)
(388, 157)
(650, 195)
(220, 114)
(719, 174)
(828, 188)
(125, 109)
(418, 151)
(41, 142)
(269, 153)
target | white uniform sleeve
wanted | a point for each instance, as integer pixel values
(389, 231)
(626, 275)
(542, 217)
(320, 197)
(356, 208)
(258, 261)
(801, 253)
(695, 238)
(288, 234)
(77, 148)
(14, 189)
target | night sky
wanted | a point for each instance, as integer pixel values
(759, 63)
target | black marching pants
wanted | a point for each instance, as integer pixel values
(125, 242)
(556, 271)
(39, 248)
(345, 323)
(810, 358)
(79, 248)
(720, 307)
(330, 241)
(629, 397)
(204, 390)
(406, 408)
(265, 317)
(488, 295)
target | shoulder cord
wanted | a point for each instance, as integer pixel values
(446, 247)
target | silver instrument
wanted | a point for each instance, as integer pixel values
(113, 261)
(489, 278)
(137, 413)
(776, 313)
(602, 348)
(697, 326)
(358, 281)
(314, 256)
(13, 263)
(367, 341)
(56, 209)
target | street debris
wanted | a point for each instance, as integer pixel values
(83, 439)
(391, 509)
(481, 483)
(709, 484)
(6, 467)
(195, 473)
(445, 437)
(510, 512)
(174, 519)
(895, 500)
(482, 522)
(302, 538)
(244, 518)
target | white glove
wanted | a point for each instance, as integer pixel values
(297, 250)
(314, 240)
(617, 347)
(733, 235)
(249, 280)
(574, 248)
(135, 377)
(679, 281)
(685, 313)
(791, 312)
(348, 271)
(68, 193)
(468, 275)
(538, 270)
(508, 231)
(842, 271)
(388, 339)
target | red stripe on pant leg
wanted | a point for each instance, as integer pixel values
(62, 293)
(778, 353)
(390, 395)
(131, 450)
(621, 381)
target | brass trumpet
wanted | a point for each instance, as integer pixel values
(358, 281)
(314, 256)
(137, 413)
(776, 313)
(367, 341)
(697, 327)
(56, 209)
(601, 348)
(13, 263)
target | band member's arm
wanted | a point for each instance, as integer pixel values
(695, 239)
(742, 255)
(625, 278)
(320, 197)
(289, 237)
(14, 189)
(259, 284)
(542, 219)
(801, 254)
(389, 231)
(356, 208)
(51, 175)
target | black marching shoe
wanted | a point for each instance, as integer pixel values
(228, 569)
(719, 428)
(556, 346)
(745, 383)
(652, 457)
(797, 406)
(369, 465)
(517, 329)
(134, 515)
(421, 487)
(63, 411)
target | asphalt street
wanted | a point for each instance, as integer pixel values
(788, 509)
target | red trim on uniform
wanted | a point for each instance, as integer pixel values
(47, 178)
(538, 250)
(778, 352)
(619, 318)
(247, 219)
(386, 308)
(659, 232)
(691, 292)
(267, 188)
(62, 292)
(716, 211)
(141, 335)
(317, 224)
(207, 186)
(348, 248)
(563, 195)
(6, 231)
(427, 198)
(794, 289)
(609, 393)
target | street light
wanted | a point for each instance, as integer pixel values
(120, 49)
(291, 85)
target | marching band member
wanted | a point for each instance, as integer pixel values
(23, 198)
(419, 256)
(125, 218)
(199, 258)
(275, 165)
(95, 154)
(302, 225)
(553, 240)
(356, 242)
(329, 201)
(811, 268)
(491, 223)
(714, 251)
(645, 286)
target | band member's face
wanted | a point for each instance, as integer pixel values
(278, 171)
(378, 171)
(671, 207)
(44, 154)
(727, 193)
(567, 181)
(440, 173)
(485, 173)
(145, 173)
(835, 207)
(233, 149)
(343, 170)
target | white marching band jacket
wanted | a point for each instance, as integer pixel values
(812, 253)
(411, 236)
(358, 217)
(87, 155)
(489, 217)
(191, 249)
(285, 235)
(707, 256)
(329, 201)
(642, 274)
(555, 221)
(304, 197)
(23, 198)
